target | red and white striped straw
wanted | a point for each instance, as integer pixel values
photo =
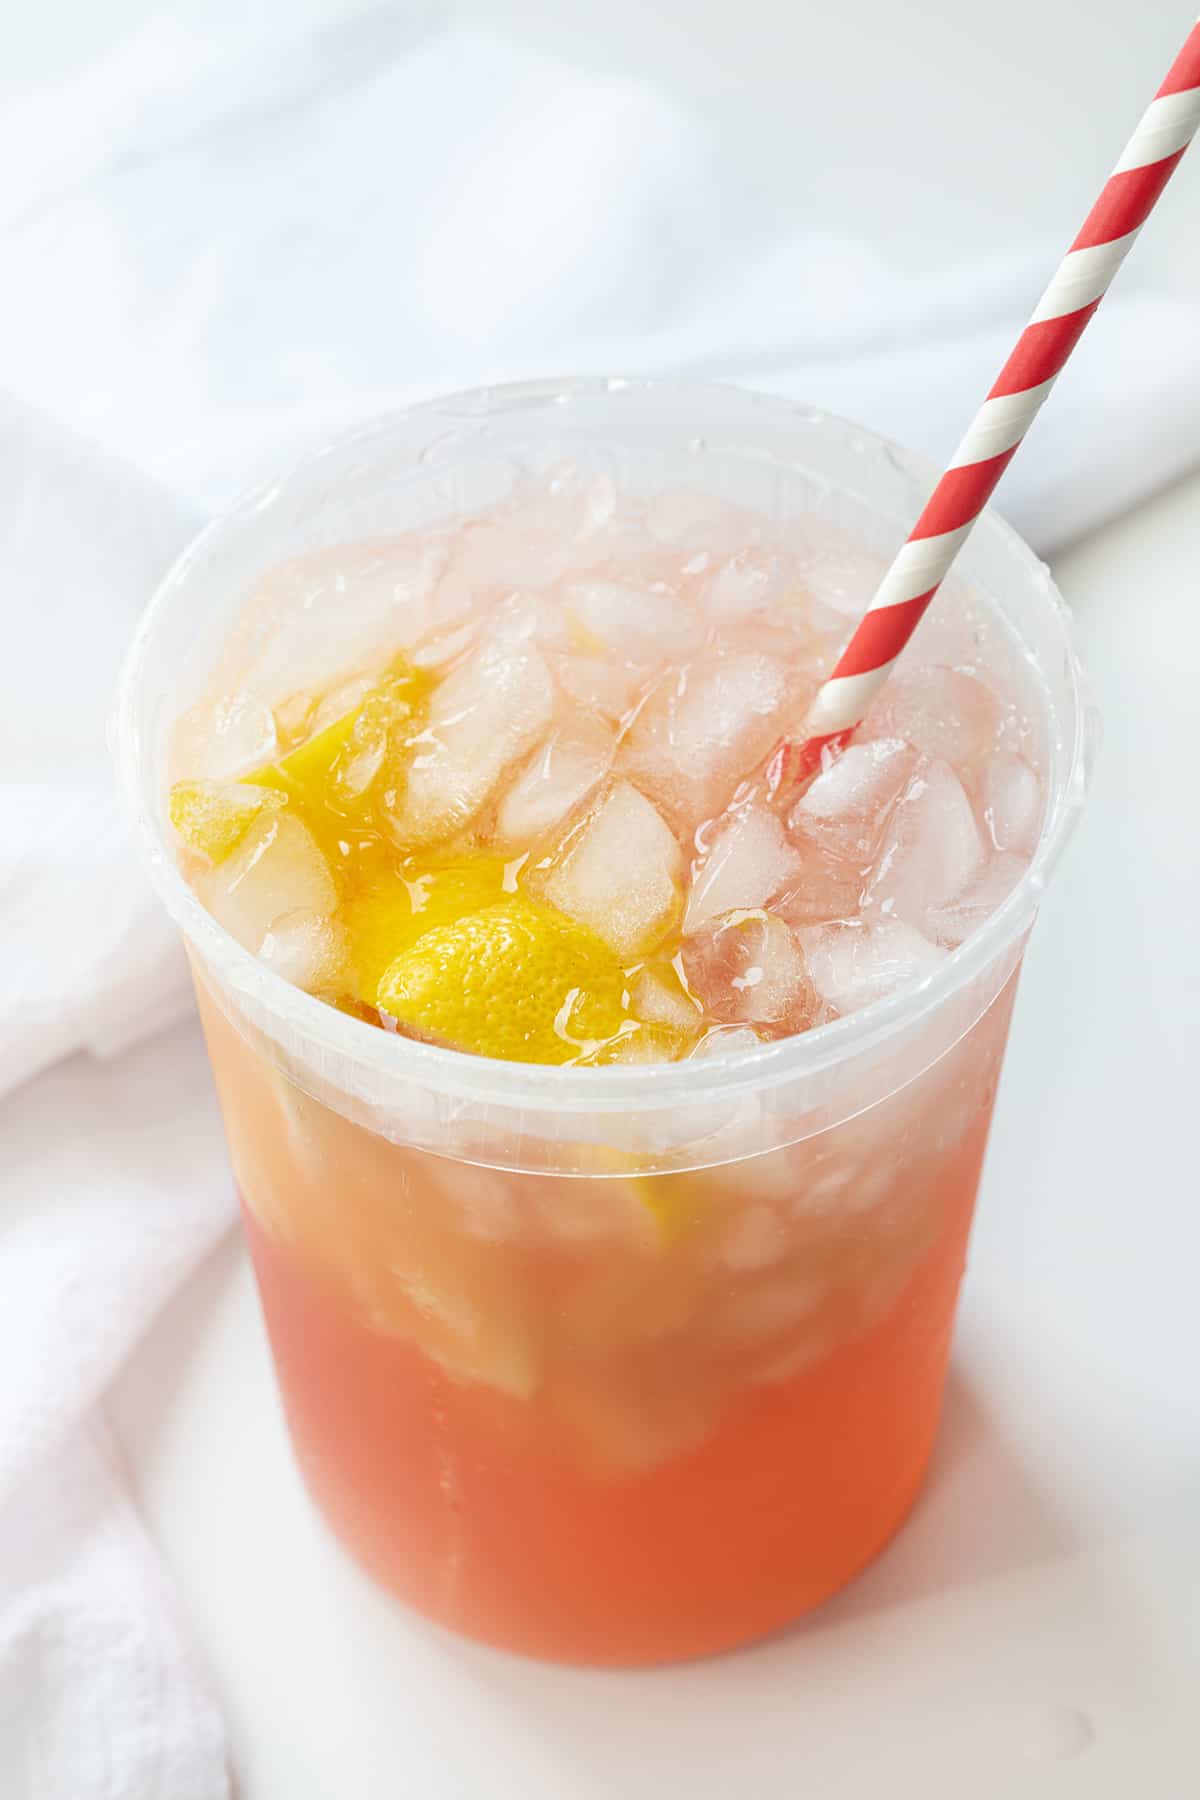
(1058, 321)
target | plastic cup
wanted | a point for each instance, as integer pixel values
(617, 1364)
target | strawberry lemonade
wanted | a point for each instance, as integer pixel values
(607, 1135)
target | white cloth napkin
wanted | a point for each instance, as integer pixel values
(233, 236)
(101, 1215)
(107, 1206)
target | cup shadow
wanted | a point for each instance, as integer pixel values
(979, 1515)
(749, 1720)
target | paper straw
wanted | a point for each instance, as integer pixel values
(1076, 290)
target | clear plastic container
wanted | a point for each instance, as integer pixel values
(629, 1363)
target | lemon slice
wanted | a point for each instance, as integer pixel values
(214, 816)
(515, 981)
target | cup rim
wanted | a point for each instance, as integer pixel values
(617, 1087)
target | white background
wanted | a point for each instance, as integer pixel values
(936, 128)
(1035, 1631)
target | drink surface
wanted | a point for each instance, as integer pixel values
(492, 785)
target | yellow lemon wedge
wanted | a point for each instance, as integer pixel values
(515, 981)
(329, 777)
(671, 1202)
(663, 1207)
(390, 914)
(306, 773)
(214, 816)
(312, 771)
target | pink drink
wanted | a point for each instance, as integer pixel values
(692, 1314)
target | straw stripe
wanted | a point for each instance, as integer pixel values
(880, 626)
(1167, 124)
(960, 496)
(1185, 70)
(1000, 424)
(1040, 352)
(844, 698)
(1082, 276)
(920, 566)
(1126, 201)
(991, 440)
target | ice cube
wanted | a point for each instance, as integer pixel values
(844, 810)
(932, 847)
(337, 613)
(484, 717)
(597, 505)
(748, 584)
(462, 1307)
(555, 779)
(962, 631)
(704, 726)
(840, 576)
(276, 871)
(748, 863)
(945, 712)
(953, 923)
(485, 1202)
(726, 1040)
(600, 686)
(787, 636)
(497, 556)
(1011, 800)
(700, 521)
(619, 1427)
(453, 614)
(641, 1043)
(748, 969)
(657, 995)
(755, 1238)
(827, 888)
(244, 737)
(836, 1186)
(221, 740)
(617, 869)
(569, 499)
(445, 647)
(810, 1344)
(306, 949)
(771, 1307)
(871, 1184)
(529, 617)
(567, 1211)
(640, 625)
(293, 714)
(852, 964)
(336, 704)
